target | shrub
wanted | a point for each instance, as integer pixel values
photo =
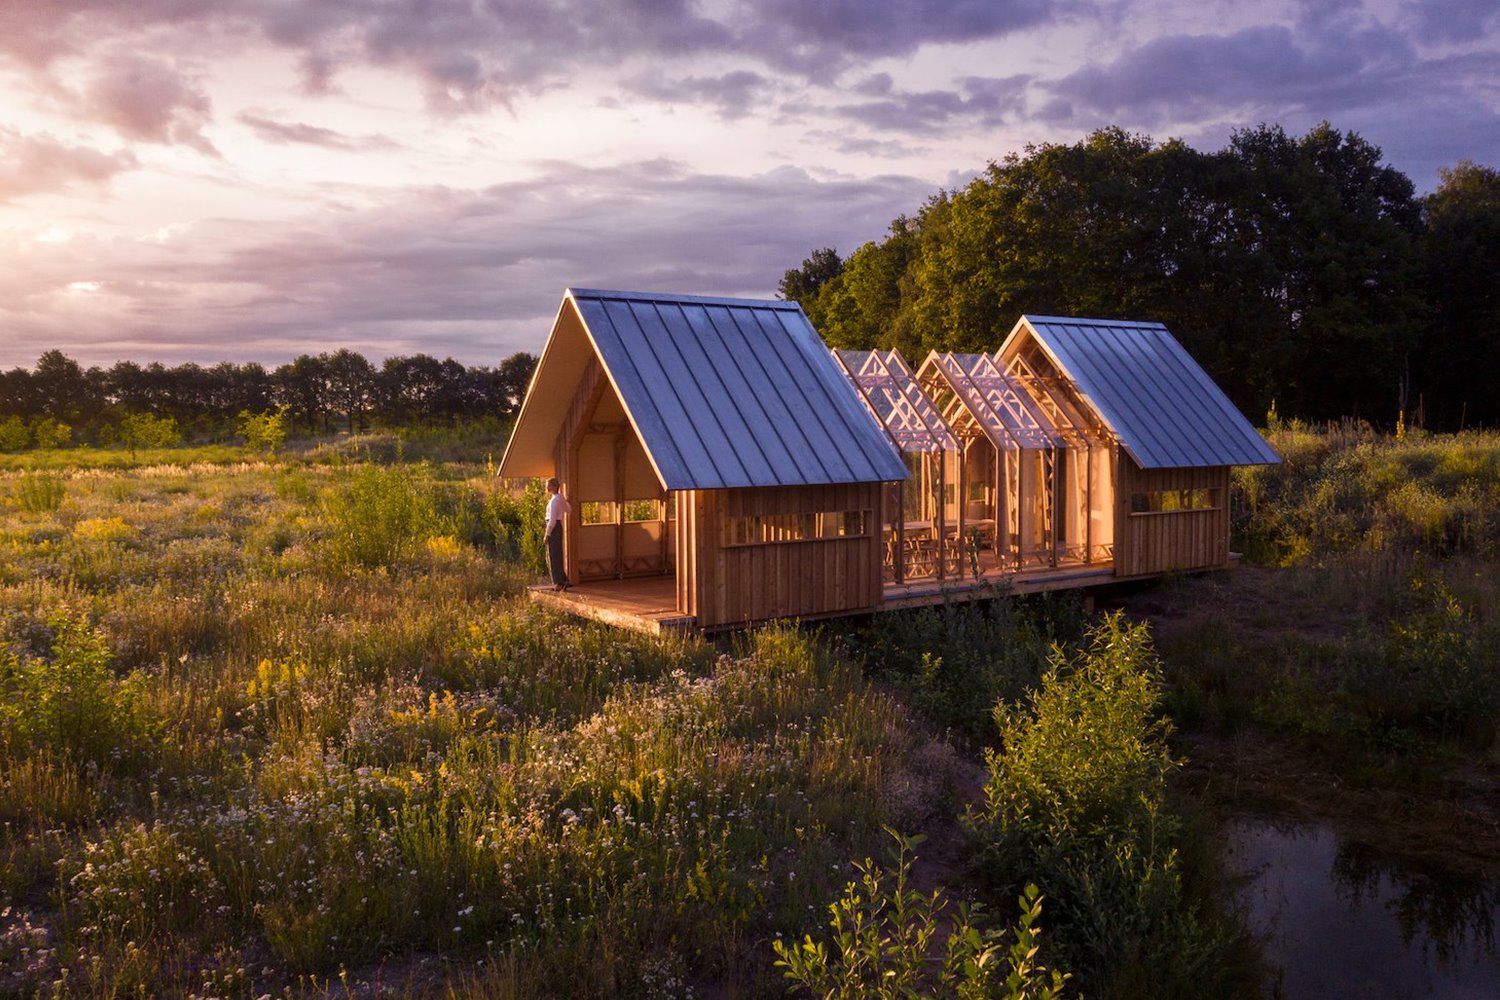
(14, 434)
(48, 432)
(884, 936)
(264, 431)
(40, 492)
(520, 523)
(380, 517)
(954, 662)
(1076, 801)
(1432, 672)
(145, 430)
(71, 703)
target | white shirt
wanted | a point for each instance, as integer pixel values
(557, 509)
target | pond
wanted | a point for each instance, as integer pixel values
(1338, 920)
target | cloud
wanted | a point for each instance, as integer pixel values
(982, 100)
(732, 95)
(37, 164)
(1187, 77)
(1425, 110)
(822, 38)
(474, 273)
(149, 101)
(1453, 20)
(285, 133)
(469, 54)
(843, 142)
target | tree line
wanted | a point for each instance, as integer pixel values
(341, 390)
(1300, 271)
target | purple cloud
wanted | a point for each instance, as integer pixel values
(36, 164)
(287, 133)
(149, 101)
(732, 95)
(982, 100)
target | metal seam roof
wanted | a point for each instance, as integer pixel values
(1165, 409)
(733, 392)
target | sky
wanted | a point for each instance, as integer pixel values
(249, 180)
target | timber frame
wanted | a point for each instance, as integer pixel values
(724, 468)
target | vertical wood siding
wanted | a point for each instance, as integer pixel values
(1179, 540)
(723, 585)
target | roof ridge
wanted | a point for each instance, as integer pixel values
(630, 296)
(1085, 321)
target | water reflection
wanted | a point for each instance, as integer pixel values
(1338, 919)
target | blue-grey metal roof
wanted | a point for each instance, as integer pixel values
(1163, 406)
(733, 392)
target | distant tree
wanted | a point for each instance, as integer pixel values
(1328, 240)
(801, 284)
(859, 307)
(408, 388)
(1461, 250)
(60, 388)
(511, 380)
(14, 433)
(301, 387)
(264, 431)
(350, 381)
(49, 432)
(1287, 266)
(145, 430)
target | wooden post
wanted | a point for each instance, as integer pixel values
(619, 443)
(962, 498)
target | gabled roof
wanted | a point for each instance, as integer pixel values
(1161, 404)
(886, 386)
(995, 398)
(722, 392)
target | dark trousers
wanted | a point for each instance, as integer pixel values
(555, 557)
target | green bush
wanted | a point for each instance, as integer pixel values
(520, 523)
(1076, 801)
(40, 492)
(145, 430)
(1432, 672)
(380, 516)
(264, 431)
(884, 941)
(1345, 488)
(14, 434)
(954, 662)
(50, 433)
(71, 703)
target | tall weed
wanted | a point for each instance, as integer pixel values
(40, 492)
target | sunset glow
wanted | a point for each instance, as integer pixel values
(248, 179)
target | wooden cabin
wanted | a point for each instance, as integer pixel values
(719, 467)
(725, 467)
(1174, 435)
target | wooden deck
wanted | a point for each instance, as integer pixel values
(648, 604)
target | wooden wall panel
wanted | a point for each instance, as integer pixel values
(1176, 540)
(740, 583)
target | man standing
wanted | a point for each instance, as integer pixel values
(558, 508)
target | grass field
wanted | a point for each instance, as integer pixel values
(289, 726)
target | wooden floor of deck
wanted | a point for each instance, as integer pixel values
(649, 604)
(642, 604)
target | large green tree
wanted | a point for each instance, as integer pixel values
(1288, 266)
(1460, 363)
